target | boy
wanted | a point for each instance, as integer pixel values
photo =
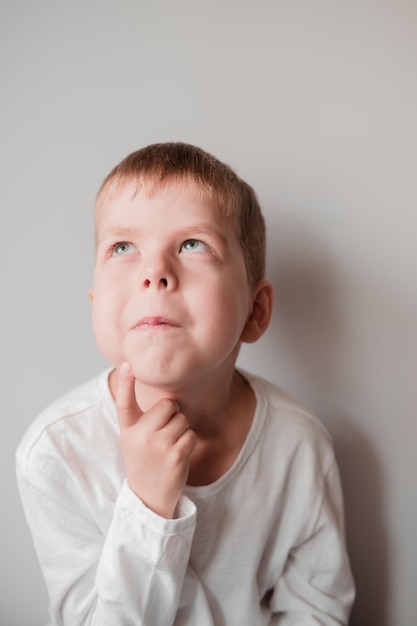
(174, 488)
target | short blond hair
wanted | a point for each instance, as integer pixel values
(216, 182)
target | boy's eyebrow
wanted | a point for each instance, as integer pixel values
(126, 232)
(203, 229)
(119, 232)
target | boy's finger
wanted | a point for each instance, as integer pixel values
(127, 408)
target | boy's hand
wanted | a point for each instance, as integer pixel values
(156, 446)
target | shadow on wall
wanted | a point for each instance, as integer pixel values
(314, 335)
(366, 534)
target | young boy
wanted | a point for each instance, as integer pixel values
(175, 488)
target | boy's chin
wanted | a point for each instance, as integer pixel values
(159, 378)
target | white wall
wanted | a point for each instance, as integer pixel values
(314, 102)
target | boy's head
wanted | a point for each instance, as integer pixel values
(159, 164)
(178, 280)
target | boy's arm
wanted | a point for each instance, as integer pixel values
(317, 588)
(132, 576)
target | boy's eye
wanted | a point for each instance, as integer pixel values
(122, 248)
(194, 245)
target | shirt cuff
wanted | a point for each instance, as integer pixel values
(185, 513)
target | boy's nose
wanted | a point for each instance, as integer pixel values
(158, 275)
(157, 271)
(162, 282)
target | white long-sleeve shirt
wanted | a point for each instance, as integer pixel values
(262, 545)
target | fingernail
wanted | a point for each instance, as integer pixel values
(125, 369)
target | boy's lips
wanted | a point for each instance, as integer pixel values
(156, 322)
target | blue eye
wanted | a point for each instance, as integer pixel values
(194, 245)
(122, 248)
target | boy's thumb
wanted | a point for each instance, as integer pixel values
(127, 407)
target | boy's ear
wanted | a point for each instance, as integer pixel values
(260, 316)
(90, 295)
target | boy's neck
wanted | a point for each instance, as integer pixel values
(221, 435)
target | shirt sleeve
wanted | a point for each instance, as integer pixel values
(316, 587)
(131, 576)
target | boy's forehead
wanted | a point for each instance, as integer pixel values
(112, 196)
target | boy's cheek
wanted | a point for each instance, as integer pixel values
(107, 340)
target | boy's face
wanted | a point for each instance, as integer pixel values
(170, 291)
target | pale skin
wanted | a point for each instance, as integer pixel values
(171, 305)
